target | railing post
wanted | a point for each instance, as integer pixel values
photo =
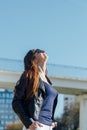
(83, 112)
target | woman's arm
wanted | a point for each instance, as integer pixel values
(54, 107)
(17, 103)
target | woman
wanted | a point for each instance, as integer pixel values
(34, 98)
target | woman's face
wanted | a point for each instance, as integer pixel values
(41, 57)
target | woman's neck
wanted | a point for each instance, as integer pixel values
(42, 68)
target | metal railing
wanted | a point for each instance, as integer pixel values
(53, 69)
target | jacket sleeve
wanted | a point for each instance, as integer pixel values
(54, 107)
(17, 103)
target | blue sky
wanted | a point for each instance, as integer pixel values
(57, 26)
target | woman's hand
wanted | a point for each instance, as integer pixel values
(34, 125)
(54, 124)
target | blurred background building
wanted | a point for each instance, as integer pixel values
(6, 113)
(69, 100)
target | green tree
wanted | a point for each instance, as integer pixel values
(71, 116)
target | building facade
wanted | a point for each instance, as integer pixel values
(6, 113)
(69, 100)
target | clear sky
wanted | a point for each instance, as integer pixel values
(57, 26)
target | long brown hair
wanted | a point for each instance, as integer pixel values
(31, 74)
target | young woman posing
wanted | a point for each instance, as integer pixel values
(35, 99)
